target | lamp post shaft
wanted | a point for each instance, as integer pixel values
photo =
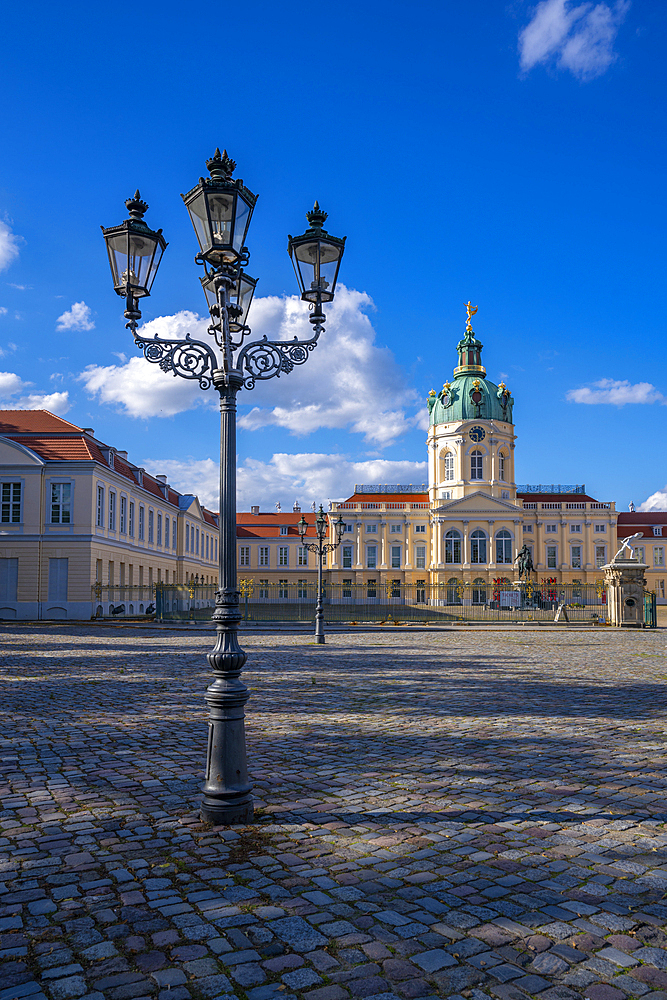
(319, 611)
(227, 791)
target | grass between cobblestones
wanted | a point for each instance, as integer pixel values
(465, 813)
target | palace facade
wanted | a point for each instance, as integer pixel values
(77, 519)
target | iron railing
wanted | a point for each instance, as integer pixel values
(393, 601)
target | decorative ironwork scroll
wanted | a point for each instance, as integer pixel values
(188, 358)
(268, 358)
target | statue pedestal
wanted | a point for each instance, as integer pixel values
(625, 592)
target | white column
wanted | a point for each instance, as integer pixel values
(359, 563)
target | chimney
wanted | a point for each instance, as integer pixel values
(255, 511)
(123, 455)
(88, 430)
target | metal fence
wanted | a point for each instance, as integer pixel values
(393, 601)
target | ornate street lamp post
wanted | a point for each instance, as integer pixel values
(320, 547)
(220, 208)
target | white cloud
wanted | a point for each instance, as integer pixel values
(347, 381)
(618, 393)
(76, 318)
(577, 38)
(307, 477)
(142, 389)
(9, 246)
(656, 501)
(3, 310)
(11, 384)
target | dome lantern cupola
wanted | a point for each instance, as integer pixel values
(470, 350)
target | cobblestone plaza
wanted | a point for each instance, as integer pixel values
(463, 812)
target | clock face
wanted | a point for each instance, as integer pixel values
(477, 434)
(445, 400)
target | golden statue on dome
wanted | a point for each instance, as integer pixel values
(471, 312)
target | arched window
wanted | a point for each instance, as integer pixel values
(453, 546)
(476, 465)
(479, 591)
(478, 546)
(449, 466)
(503, 546)
(502, 465)
(454, 591)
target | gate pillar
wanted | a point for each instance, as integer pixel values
(625, 592)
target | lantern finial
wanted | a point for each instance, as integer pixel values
(136, 207)
(220, 166)
(317, 217)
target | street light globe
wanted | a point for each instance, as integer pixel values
(135, 251)
(316, 257)
(220, 209)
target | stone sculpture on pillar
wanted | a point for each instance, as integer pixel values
(624, 577)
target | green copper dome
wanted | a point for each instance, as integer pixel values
(471, 396)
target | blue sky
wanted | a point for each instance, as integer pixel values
(508, 153)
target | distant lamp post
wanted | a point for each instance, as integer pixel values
(220, 209)
(320, 547)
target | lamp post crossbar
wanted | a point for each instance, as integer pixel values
(220, 209)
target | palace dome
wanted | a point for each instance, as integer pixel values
(470, 396)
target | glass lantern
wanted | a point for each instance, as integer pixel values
(316, 257)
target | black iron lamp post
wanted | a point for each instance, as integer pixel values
(320, 547)
(220, 208)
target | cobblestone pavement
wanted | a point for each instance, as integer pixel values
(470, 812)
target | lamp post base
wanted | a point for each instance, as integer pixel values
(228, 814)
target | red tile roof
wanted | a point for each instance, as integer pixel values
(387, 498)
(557, 497)
(33, 421)
(61, 449)
(630, 522)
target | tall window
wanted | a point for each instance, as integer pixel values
(216, 549)
(371, 556)
(11, 503)
(396, 557)
(244, 555)
(600, 555)
(501, 466)
(479, 591)
(197, 541)
(61, 503)
(123, 516)
(551, 556)
(159, 529)
(453, 546)
(454, 591)
(347, 588)
(166, 533)
(264, 555)
(207, 539)
(302, 556)
(130, 521)
(658, 555)
(283, 555)
(151, 526)
(576, 557)
(302, 589)
(282, 589)
(187, 537)
(347, 557)
(371, 590)
(420, 592)
(192, 538)
(100, 507)
(395, 588)
(112, 510)
(478, 546)
(504, 547)
(640, 552)
(420, 557)
(174, 531)
(449, 465)
(476, 465)
(264, 588)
